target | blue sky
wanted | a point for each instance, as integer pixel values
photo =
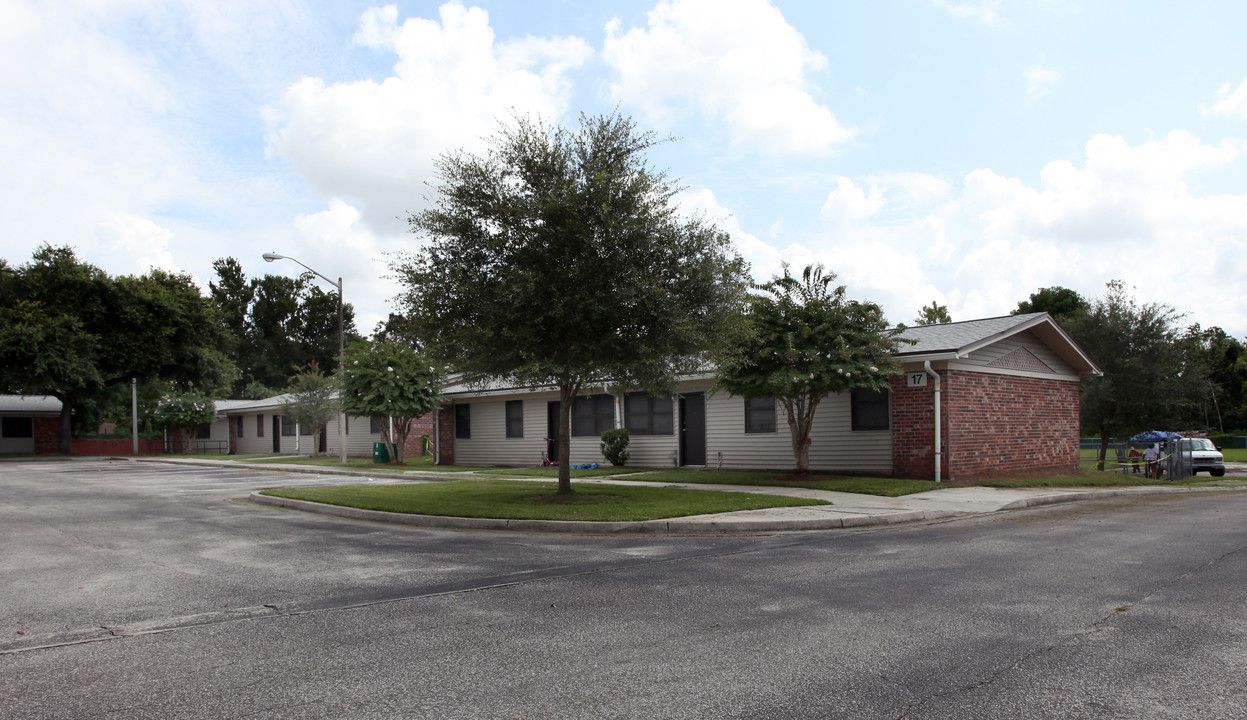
(961, 151)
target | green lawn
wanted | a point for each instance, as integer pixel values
(888, 487)
(553, 471)
(424, 462)
(526, 500)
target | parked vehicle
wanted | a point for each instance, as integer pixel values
(1202, 456)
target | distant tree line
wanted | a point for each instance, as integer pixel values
(274, 327)
(1158, 373)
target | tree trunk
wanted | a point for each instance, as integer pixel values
(1103, 449)
(63, 443)
(567, 396)
(800, 418)
(399, 441)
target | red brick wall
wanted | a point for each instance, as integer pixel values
(446, 435)
(417, 430)
(913, 422)
(47, 434)
(991, 425)
(115, 447)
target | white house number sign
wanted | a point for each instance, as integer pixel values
(917, 379)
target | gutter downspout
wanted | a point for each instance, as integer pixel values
(437, 436)
(926, 365)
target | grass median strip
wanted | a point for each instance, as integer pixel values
(538, 501)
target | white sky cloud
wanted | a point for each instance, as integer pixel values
(738, 60)
(137, 239)
(374, 143)
(1230, 103)
(335, 242)
(764, 258)
(984, 11)
(171, 134)
(1127, 213)
(1039, 81)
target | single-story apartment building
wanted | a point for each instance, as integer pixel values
(258, 427)
(29, 424)
(997, 395)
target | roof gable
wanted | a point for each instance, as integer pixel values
(946, 341)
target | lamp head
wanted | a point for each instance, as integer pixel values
(270, 257)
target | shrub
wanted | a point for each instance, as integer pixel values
(1227, 441)
(615, 446)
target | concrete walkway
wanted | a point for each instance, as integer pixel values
(848, 510)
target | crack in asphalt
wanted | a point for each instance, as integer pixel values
(350, 601)
(1070, 639)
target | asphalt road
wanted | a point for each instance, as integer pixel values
(130, 590)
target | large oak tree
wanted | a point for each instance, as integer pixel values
(69, 330)
(558, 259)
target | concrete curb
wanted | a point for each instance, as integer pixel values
(838, 517)
(301, 469)
(726, 523)
(1102, 494)
(706, 525)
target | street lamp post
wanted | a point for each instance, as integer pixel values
(270, 257)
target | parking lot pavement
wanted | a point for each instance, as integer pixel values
(141, 590)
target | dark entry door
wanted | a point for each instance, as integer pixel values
(324, 440)
(693, 429)
(276, 433)
(552, 428)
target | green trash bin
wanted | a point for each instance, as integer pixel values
(380, 453)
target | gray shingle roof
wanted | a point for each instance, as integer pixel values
(960, 336)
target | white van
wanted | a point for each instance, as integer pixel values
(1202, 456)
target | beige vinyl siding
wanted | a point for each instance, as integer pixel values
(249, 444)
(833, 443)
(489, 444)
(358, 440)
(23, 445)
(654, 450)
(218, 439)
(1028, 340)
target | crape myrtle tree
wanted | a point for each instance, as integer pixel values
(803, 339)
(558, 258)
(312, 402)
(70, 330)
(384, 380)
(182, 412)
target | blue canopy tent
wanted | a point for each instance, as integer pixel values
(1154, 436)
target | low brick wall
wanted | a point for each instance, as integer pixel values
(115, 447)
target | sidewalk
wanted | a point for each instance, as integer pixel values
(848, 510)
